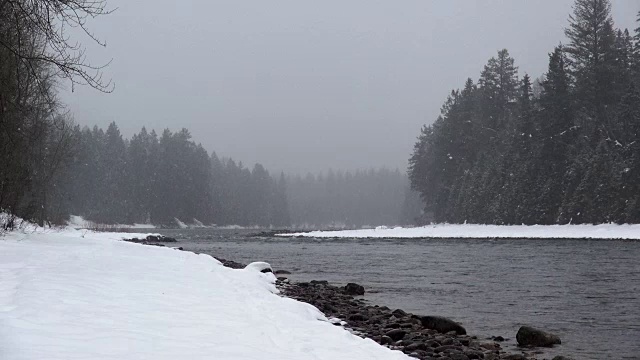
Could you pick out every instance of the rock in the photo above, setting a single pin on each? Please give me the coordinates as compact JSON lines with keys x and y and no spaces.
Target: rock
{"x":231,"y":264}
{"x":160,"y":238}
{"x":528,"y":336}
{"x":513,"y":357}
{"x":396,"y":334}
{"x":357,"y":317}
{"x":490,"y":346}
{"x":384,"y":340}
{"x":415,"y":346}
{"x":458,"y":356}
{"x":442,"y":324}
{"x":354,"y":289}
{"x":447,"y":349}
{"x":432,"y":343}
{"x":282,"y":272}
{"x":560,"y":357}
{"x":399,"y":313}
{"x":153,"y":237}
{"x":474,"y":354}
{"x":319,"y":282}
{"x":498,"y":338}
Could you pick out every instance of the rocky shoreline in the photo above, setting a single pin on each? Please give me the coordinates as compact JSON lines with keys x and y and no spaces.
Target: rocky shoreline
{"x":421,"y":337}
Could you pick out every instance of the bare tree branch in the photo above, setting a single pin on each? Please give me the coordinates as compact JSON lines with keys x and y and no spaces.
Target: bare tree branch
{"x":49,"y":20}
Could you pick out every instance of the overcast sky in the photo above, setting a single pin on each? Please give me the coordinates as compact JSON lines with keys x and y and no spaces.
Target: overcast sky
{"x":302,"y":85}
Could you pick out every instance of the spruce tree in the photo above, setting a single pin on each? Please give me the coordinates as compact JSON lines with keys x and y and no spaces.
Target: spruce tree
{"x":635,"y":56}
{"x":499,"y":87}
{"x":557,"y":133}
{"x":591,"y":49}
{"x":625,"y":138}
{"x":623,"y":63}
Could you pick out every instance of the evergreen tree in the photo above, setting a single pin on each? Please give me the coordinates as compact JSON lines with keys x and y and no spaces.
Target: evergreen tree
{"x":635,"y":56}
{"x":592,"y":52}
{"x":114,"y":206}
{"x":280,"y":205}
{"x":557,"y":137}
{"x":499,"y":87}
{"x":625,"y":138}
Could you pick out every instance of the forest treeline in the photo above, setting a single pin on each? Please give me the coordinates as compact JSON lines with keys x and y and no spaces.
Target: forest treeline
{"x":156,"y":179}
{"x":564,"y":148}
{"x":159,"y":179}
{"x":341,"y":199}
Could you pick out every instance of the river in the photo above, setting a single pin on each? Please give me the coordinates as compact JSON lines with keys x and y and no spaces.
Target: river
{"x":585,"y":291}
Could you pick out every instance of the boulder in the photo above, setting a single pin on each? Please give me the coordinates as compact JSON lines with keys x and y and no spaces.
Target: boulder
{"x":354,"y":289}
{"x":528,"y":336}
{"x":442,"y":324}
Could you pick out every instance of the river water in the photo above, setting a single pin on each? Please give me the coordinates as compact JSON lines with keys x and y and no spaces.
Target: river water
{"x":585,"y":291}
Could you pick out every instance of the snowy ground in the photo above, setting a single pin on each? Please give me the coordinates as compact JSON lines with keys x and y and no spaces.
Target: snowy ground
{"x":81,"y":295}
{"x":605,"y":231}
{"x":78,"y":222}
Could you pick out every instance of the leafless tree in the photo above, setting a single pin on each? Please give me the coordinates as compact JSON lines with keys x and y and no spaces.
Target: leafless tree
{"x":50,"y":21}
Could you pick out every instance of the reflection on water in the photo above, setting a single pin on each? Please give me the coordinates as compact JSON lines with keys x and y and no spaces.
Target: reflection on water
{"x":586,"y":291}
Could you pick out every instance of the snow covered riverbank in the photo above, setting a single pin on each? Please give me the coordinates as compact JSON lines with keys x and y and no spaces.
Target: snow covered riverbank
{"x":82,"y":295}
{"x":471,"y":231}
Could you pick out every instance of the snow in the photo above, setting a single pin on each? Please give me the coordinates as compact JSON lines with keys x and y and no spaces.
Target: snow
{"x":180,"y":224}
{"x":259,"y":266}
{"x":456,"y":231}
{"x":78,"y":222}
{"x":77,"y":294}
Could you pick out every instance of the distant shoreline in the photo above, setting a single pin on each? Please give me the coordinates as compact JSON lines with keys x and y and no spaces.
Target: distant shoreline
{"x":472,"y":231}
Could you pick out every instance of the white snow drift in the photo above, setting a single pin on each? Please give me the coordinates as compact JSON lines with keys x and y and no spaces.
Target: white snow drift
{"x":470,"y":231}
{"x":65,"y":296}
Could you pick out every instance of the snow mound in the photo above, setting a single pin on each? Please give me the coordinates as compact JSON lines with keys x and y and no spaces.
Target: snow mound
{"x":471,"y":231}
{"x":259,"y":266}
{"x":77,"y":294}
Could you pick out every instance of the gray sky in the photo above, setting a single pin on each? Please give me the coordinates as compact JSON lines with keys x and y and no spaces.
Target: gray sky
{"x":301,"y":85}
